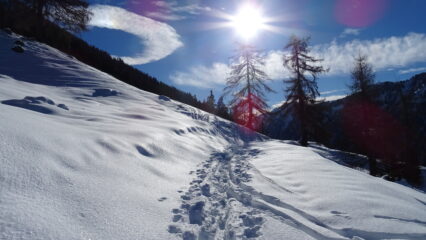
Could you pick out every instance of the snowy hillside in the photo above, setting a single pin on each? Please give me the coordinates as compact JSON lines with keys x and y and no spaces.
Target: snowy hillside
{"x":85,"y":156}
{"x":396,"y":104}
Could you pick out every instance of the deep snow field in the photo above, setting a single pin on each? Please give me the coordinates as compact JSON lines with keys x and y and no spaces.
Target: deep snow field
{"x":85,"y":156}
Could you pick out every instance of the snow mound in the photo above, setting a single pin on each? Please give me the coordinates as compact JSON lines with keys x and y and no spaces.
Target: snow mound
{"x":85,"y":156}
{"x":37,"y":104}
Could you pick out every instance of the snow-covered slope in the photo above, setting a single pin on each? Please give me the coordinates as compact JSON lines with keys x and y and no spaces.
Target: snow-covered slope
{"x":85,"y":156}
{"x":397,"y":103}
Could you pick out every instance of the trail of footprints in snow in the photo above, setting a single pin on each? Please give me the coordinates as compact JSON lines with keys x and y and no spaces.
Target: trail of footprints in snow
{"x":215,"y":207}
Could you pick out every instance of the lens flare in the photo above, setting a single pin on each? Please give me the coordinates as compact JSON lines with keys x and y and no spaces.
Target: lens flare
{"x":248,"y":113}
{"x":373,"y":130}
{"x":359,"y":13}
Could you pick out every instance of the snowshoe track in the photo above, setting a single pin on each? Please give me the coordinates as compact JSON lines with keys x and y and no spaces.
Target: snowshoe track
{"x":215,"y":206}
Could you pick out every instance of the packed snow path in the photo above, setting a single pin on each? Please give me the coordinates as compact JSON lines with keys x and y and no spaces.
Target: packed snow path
{"x":216,"y":206}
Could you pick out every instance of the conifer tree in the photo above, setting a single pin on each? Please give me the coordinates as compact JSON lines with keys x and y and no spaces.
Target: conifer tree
{"x":301,"y":90}
{"x":222,"y":109}
{"x":362,"y":76}
{"x":210,"y":103}
{"x":363,"y":119}
{"x":411,"y":171}
{"x":72,"y":15}
{"x":247,"y":85}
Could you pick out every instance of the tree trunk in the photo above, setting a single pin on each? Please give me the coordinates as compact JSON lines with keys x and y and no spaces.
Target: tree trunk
{"x":39,"y":8}
{"x":373,"y":166}
{"x":250,"y":111}
{"x":2,"y":16}
{"x":303,"y":132}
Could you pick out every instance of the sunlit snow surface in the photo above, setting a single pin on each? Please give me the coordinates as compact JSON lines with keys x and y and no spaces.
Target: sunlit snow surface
{"x":85,"y":156}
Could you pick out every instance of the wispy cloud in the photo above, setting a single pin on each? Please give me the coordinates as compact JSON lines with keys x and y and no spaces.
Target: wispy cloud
{"x":159,"y":39}
{"x":216,"y":74}
{"x":383,"y":53}
{"x":203,"y":76}
{"x":350,"y":31}
{"x":412,"y":70}
{"x":274,"y":67}
{"x":173,"y":11}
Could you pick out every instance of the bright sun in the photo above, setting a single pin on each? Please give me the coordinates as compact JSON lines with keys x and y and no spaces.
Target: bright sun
{"x":248,"y":21}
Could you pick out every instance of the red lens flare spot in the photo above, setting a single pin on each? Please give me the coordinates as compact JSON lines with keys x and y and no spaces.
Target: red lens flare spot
{"x":145,"y":6}
{"x":248,"y":112}
{"x":359,"y":13}
{"x":373,"y":130}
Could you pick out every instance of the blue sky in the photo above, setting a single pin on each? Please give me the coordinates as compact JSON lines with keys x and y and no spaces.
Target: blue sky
{"x":188,"y":43}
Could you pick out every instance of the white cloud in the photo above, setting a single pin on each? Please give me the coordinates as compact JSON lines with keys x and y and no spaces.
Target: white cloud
{"x":411,"y":70}
{"x":159,"y":39}
{"x":350,"y":31}
{"x":165,"y":16}
{"x":203,"y":76}
{"x":274,"y":67}
{"x":172,"y":11}
{"x":216,"y":74}
{"x":383,"y":53}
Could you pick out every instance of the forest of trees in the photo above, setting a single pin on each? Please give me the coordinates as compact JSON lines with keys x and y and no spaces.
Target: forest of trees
{"x":54,"y":22}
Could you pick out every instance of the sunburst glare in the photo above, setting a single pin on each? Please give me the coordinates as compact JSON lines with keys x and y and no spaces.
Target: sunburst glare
{"x":248,"y":21}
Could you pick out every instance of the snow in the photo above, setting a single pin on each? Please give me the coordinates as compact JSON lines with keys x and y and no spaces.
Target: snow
{"x":315,"y":191}
{"x":85,"y":156}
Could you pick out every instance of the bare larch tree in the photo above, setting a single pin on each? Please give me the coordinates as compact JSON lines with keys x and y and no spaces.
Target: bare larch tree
{"x":301,"y":90}
{"x":247,"y":85}
{"x":362,"y":76}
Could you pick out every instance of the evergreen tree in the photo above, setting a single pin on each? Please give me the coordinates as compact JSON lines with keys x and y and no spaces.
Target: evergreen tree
{"x":222,"y":110}
{"x":72,"y":15}
{"x":362,"y":76}
{"x":364,"y":119}
{"x":246,"y":83}
{"x":301,"y":90}
{"x":210,"y":103}
{"x":411,"y":171}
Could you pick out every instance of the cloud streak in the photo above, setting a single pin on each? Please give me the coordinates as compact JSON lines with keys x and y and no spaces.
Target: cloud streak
{"x":383,"y":53}
{"x":172,"y":11}
{"x":158,"y":39}
{"x":350,"y":31}
{"x":203,"y":76}
{"x":412,"y":70}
